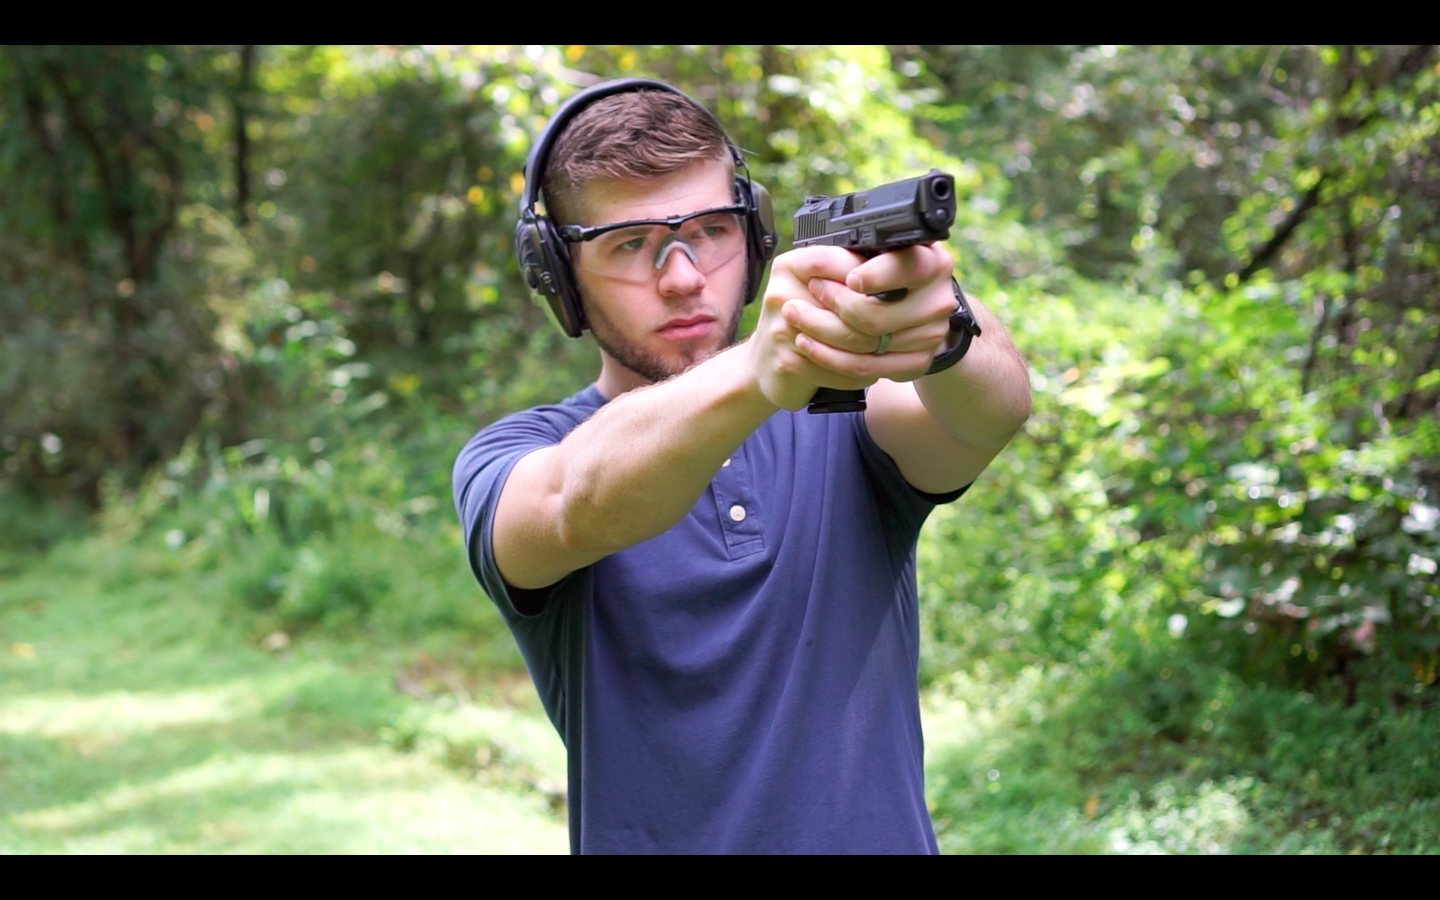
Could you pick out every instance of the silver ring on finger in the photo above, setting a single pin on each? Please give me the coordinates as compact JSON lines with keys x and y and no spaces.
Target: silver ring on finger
{"x":884,"y":345}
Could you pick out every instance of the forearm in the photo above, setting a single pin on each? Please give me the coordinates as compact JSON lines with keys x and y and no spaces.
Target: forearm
{"x":983,"y":400}
{"x":638,"y":465}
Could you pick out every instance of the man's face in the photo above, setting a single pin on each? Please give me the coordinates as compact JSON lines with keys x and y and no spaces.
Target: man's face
{"x":651,"y":331}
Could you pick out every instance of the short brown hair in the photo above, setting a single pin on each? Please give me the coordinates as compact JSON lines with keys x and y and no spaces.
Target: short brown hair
{"x":635,"y":136}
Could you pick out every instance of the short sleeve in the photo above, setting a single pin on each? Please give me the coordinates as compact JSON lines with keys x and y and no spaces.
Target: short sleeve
{"x":479,"y":476}
{"x":890,"y":481}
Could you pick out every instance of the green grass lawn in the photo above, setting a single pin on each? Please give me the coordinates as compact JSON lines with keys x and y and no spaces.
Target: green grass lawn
{"x":148,"y":705}
{"x":138,"y":713}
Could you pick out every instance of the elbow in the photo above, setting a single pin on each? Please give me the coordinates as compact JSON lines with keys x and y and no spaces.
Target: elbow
{"x":574,"y":528}
{"x":1024,"y":403}
{"x":581,"y":526}
{"x":1010,"y":418}
{"x":580,"y":537}
{"x":1024,"y":409}
{"x":1020,"y":414}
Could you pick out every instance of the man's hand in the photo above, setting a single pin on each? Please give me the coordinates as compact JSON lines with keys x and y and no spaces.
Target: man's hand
{"x":844,"y":332}
{"x":820,"y":326}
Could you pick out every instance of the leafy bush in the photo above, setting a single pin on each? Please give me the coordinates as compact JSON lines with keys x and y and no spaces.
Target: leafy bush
{"x":1183,"y":758}
{"x":330,"y":585}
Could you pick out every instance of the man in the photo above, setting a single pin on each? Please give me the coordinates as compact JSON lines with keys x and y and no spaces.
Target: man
{"x":713,"y":589}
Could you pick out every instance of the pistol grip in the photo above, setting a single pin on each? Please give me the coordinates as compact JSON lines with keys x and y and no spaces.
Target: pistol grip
{"x":833,"y":400}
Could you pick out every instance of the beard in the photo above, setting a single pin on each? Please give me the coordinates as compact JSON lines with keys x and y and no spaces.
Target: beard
{"x":651,"y":366}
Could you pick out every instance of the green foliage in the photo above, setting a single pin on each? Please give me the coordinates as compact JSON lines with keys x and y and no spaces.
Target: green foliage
{"x":1187,"y":759}
{"x":1253,"y":458}
{"x":105,"y":362}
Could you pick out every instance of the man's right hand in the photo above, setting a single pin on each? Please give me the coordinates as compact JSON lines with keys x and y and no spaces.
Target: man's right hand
{"x":787,"y":378}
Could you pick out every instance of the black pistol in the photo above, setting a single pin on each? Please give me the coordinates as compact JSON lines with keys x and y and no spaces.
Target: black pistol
{"x":889,"y":217}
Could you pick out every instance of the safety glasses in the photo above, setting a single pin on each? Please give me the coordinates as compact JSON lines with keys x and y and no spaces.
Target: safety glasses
{"x":635,"y":251}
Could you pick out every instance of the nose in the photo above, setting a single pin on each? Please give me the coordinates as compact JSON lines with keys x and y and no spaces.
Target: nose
{"x":679,"y":276}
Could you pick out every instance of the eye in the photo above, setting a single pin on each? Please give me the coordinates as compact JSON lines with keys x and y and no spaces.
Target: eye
{"x":713,"y":228}
{"x":626,"y":244}
{"x":716,"y":227}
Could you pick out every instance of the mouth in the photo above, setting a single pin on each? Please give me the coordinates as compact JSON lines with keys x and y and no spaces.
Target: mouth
{"x":687,"y":329}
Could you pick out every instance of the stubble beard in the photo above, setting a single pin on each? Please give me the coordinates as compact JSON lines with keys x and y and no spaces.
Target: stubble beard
{"x":653,"y":367}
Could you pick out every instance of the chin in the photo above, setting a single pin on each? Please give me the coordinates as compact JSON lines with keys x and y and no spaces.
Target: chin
{"x":690,"y":354}
{"x":657,"y":359}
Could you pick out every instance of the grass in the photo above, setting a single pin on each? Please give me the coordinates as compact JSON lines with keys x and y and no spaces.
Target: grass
{"x":261,"y":698}
{"x":1056,"y":760}
{"x":140,"y":712}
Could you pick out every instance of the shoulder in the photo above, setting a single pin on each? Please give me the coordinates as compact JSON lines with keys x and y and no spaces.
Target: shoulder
{"x":529,"y":429}
{"x":551,"y":419}
{"x":488,"y":456}
{"x":484,"y":464}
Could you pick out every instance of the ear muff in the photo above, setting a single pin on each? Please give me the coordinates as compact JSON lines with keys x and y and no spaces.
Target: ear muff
{"x":545,"y":264}
{"x":760,"y":235}
{"x":543,"y":255}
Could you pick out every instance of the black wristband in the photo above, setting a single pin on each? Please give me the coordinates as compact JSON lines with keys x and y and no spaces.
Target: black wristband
{"x":963,"y":330}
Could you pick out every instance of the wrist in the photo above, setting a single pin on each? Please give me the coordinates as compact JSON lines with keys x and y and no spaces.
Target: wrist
{"x":767,"y":372}
{"x":736,"y":375}
{"x":964,"y":329}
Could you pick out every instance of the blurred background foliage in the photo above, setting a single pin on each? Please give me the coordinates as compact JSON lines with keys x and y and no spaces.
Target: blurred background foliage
{"x":253,"y":299}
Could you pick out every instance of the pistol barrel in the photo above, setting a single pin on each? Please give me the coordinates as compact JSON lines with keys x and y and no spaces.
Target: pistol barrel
{"x":890,"y":217}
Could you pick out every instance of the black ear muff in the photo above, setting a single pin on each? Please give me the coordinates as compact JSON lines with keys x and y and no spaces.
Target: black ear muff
{"x":545,"y":265}
{"x":761,"y":236}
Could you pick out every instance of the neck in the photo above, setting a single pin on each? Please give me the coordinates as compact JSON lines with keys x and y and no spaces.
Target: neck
{"x":615,"y":379}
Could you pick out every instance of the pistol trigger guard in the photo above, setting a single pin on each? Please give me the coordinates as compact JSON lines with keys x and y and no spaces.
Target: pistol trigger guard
{"x":963,"y":331}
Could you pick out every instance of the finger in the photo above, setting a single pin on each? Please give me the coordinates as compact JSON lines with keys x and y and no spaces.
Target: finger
{"x":795,"y":364}
{"x":925,"y":338}
{"x":820,"y":262}
{"x":820,"y":376}
{"x":828,"y":328}
{"x":894,"y":366}
{"x":911,"y":267}
{"x":930,"y":305}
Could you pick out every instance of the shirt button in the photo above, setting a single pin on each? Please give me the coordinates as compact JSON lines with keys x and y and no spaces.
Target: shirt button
{"x":725,"y":463}
{"x":737,"y":513}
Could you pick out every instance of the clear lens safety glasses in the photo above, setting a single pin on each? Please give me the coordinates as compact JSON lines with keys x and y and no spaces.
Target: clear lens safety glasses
{"x":635,"y":251}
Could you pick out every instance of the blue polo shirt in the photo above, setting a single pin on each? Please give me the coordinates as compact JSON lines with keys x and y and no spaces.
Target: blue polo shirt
{"x":746,"y":681}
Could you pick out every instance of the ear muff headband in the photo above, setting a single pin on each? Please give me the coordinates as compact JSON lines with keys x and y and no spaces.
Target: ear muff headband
{"x":543,"y":255}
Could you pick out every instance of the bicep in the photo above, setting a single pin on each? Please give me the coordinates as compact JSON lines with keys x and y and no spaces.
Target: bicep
{"x":929,"y":457}
{"x":528,"y":534}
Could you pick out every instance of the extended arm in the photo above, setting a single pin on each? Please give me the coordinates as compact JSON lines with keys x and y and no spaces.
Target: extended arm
{"x":637,"y":466}
{"x":630,"y":472}
{"x":942,"y":430}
